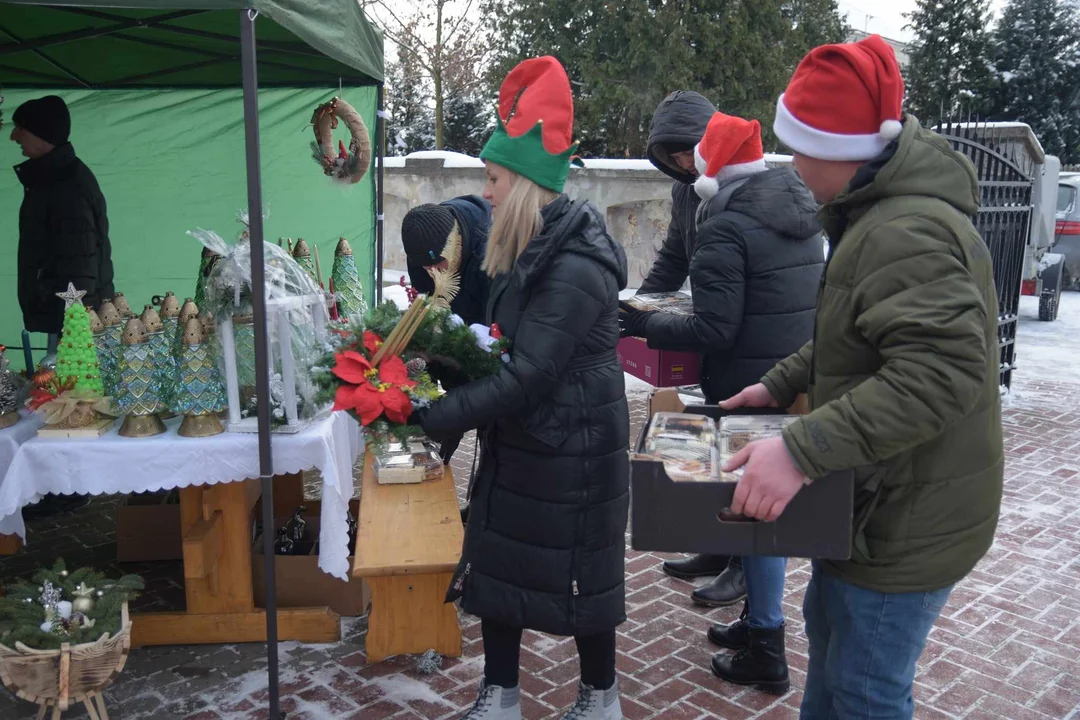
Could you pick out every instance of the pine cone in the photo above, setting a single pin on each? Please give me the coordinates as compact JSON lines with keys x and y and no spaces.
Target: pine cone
{"x":416,"y":367}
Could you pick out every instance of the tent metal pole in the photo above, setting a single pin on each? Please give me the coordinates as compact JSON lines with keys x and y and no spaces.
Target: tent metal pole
{"x":258,"y":307}
{"x":380,"y":143}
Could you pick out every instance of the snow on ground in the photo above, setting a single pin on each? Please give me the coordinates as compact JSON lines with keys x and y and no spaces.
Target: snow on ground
{"x":1049,"y":350}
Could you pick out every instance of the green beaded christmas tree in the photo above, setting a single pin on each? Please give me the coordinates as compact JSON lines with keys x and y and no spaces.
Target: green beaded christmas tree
{"x":76,"y":356}
{"x":348,"y":291}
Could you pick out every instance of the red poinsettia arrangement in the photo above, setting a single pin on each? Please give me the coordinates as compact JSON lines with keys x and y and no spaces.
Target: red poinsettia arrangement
{"x":370,"y":390}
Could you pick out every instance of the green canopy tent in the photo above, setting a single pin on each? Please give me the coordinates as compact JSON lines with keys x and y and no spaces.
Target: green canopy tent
{"x":151,"y":76}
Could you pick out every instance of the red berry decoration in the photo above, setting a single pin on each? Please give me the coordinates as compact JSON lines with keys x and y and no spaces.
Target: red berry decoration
{"x":496,"y":332}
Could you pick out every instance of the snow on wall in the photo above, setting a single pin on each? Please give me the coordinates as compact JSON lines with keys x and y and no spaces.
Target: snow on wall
{"x":457,"y":160}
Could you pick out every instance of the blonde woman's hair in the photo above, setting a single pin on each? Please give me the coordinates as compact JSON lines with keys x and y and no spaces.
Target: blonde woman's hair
{"x":516,"y":221}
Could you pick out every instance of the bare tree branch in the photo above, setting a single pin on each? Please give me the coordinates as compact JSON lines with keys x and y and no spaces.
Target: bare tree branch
{"x":405,"y":30}
{"x":460,"y":20}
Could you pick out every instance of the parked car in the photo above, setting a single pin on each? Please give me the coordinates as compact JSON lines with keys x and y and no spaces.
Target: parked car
{"x":1067,"y":229}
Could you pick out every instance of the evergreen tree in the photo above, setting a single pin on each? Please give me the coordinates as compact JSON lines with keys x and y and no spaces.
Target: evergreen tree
{"x":436,"y":40}
{"x":950,"y":70}
{"x":1037,"y":58}
{"x":468,"y":114}
{"x":624,"y":58}
{"x":412,"y":122}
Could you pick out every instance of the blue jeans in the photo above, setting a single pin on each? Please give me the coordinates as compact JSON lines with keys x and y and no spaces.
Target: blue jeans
{"x":863,"y":648}
{"x":764,"y":590}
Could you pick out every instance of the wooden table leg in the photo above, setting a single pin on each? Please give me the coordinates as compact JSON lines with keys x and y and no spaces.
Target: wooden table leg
{"x":216,"y":525}
{"x":10,"y":544}
{"x":409,"y":616}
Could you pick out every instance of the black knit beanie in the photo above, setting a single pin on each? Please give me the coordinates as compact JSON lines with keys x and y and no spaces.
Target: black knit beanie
{"x":47,"y":118}
{"x":424,"y":232}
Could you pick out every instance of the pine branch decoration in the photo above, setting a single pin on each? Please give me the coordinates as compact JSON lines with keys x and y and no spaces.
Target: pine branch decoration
{"x":21,"y":613}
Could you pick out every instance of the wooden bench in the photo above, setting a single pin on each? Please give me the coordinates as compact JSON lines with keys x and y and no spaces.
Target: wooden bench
{"x":407,"y":547}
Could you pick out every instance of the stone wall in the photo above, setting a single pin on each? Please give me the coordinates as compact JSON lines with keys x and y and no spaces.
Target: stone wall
{"x":634,"y":197}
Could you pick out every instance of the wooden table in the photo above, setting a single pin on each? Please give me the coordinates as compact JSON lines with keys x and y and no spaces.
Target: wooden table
{"x":407,"y":547}
{"x":216,"y":518}
{"x":216,"y":525}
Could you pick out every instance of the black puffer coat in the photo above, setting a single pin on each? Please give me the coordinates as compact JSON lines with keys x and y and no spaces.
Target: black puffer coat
{"x":754,"y":276}
{"x":545,"y":541}
{"x":63,"y":237}
{"x":680,"y":121}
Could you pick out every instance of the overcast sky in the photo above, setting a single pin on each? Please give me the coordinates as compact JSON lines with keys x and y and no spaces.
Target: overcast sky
{"x":886,"y":17}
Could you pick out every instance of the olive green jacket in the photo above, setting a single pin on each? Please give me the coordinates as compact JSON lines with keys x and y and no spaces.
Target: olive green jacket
{"x":902,"y":373}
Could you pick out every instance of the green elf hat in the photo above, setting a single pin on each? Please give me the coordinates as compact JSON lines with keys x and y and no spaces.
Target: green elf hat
{"x":534,"y":135}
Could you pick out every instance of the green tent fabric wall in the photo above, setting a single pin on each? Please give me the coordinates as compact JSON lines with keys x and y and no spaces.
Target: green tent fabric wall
{"x":114,"y":43}
{"x":171,"y":160}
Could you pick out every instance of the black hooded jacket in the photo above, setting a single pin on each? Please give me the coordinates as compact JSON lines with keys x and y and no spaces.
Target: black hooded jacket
{"x":754,"y":274}
{"x":63,"y":238}
{"x":545,"y":540}
{"x":680,"y":121}
{"x":473,"y":215}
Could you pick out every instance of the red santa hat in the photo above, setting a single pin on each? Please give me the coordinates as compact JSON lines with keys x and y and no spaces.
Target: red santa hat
{"x":843,"y":102}
{"x":730,"y":147}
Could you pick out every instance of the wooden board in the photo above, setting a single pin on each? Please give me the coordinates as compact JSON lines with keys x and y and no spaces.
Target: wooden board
{"x":90,"y":432}
{"x":10,"y":544}
{"x":224,"y":586}
{"x":312,"y":625}
{"x":409,"y":616}
{"x":407,"y":529}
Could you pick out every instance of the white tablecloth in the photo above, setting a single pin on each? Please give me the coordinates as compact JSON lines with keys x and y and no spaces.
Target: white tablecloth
{"x":112,"y":464}
{"x":11,"y":438}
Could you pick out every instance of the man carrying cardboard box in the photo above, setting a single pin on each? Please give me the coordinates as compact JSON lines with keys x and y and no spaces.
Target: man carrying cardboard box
{"x":902,"y":376}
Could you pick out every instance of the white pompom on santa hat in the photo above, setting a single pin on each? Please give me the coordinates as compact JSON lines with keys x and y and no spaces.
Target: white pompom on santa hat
{"x":843,"y":102}
{"x":730,"y":147}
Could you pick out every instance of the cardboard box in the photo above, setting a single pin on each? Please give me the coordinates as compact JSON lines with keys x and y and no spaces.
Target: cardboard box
{"x":659,"y":368}
{"x":300,"y":582}
{"x":148,"y":527}
{"x":669,"y":516}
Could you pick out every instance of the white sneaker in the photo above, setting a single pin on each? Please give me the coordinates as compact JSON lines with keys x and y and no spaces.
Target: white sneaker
{"x":496,"y":703}
{"x":596,"y":704}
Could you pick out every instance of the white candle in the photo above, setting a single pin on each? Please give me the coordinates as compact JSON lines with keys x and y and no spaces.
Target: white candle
{"x":64,"y":609}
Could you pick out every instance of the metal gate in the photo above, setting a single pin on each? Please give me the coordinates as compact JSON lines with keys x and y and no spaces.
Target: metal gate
{"x":1003,"y":220}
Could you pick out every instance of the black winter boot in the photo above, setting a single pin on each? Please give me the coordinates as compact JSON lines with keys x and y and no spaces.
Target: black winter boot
{"x":697,"y":566}
{"x":735,"y":636}
{"x":729,"y":588}
{"x":762,"y":664}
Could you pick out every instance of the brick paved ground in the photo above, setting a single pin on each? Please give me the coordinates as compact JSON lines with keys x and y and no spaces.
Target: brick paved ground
{"x":1007,"y":646}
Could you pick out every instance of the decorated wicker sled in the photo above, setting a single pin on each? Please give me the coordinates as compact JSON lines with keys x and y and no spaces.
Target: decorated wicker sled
{"x":61,"y":678}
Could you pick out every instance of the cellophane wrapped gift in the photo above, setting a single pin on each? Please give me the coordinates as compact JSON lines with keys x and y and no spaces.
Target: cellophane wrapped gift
{"x":675,"y":303}
{"x":686,"y":444}
{"x":738,"y":431}
{"x":297,"y":318}
{"x":412,"y":462}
